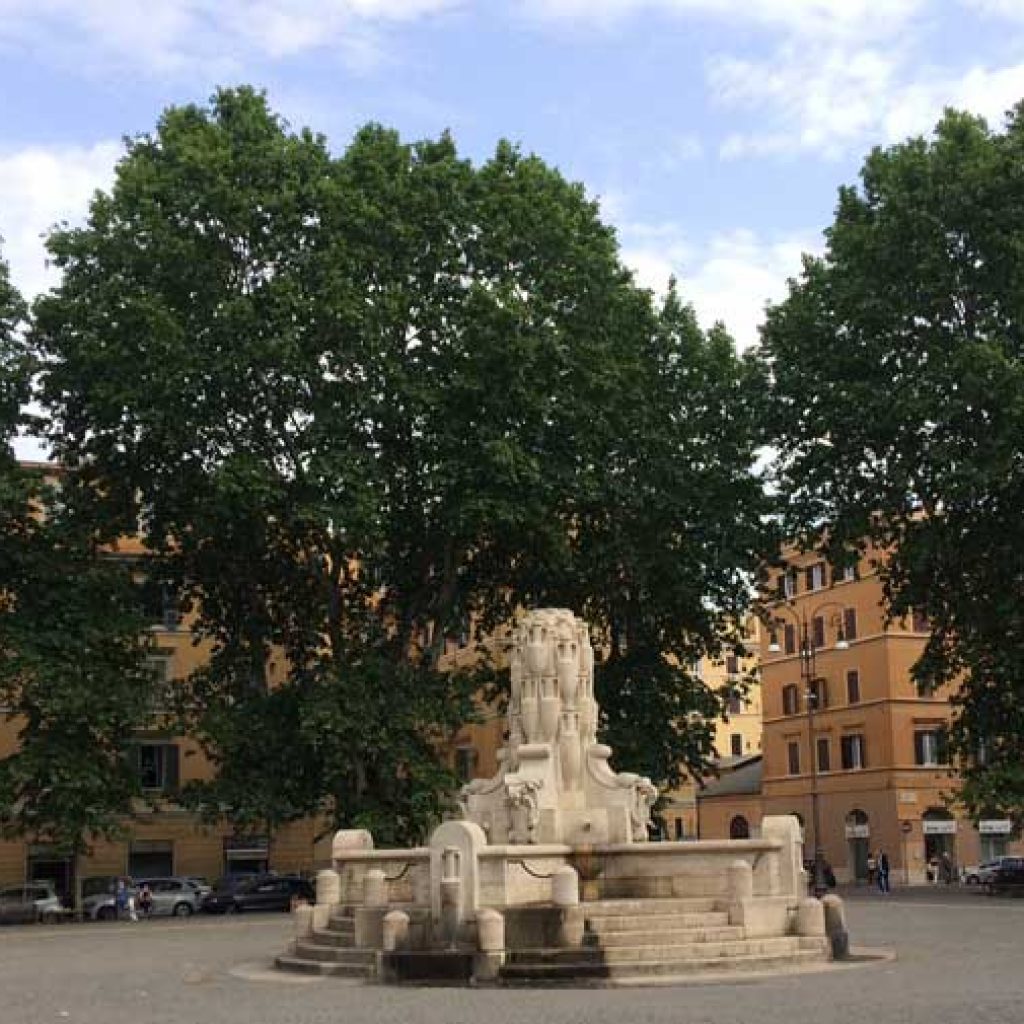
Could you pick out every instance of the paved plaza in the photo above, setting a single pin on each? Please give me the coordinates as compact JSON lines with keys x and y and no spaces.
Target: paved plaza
{"x":959,"y":960}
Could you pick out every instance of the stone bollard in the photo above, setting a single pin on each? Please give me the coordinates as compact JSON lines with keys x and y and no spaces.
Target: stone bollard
{"x":810,"y":917}
{"x":328,"y":888}
{"x":490,"y":931}
{"x":302,"y":921}
{"x":375,"y":889}
{"x":565,"y":887}
{"x":396,"y":930}
{"x":835,"y":926}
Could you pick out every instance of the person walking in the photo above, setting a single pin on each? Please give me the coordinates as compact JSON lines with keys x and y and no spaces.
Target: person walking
{"x":883,"y":872}
{"x":872,"y":867}
{"x":145,"y":899}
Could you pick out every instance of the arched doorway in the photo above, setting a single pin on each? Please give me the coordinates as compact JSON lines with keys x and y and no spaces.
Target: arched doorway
{"x":858,"y":836}
{"x":739,"y":828}
{"x":939,"y":828}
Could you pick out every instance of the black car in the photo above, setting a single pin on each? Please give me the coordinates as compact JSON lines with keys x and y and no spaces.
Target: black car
{"x":1007,"y":879}
{"x":264,"y":892}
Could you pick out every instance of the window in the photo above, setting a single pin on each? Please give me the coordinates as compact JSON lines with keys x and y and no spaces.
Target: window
{"x":159,"y":603}
{"x":735,"y":703}
{"x":465,"y":763}
{"x":929,"y":747}
{"x":157,"y":766}
{"x":789,"y":584}
{"x":790,"y":699}
{"x":679,"y":828}
{"x":739,"y":828}
{"x":736,"y":744}
{"x":852,"y":750}
{"x":920,"y":622}
{"x":793,"y":752}
{"x":789,"y":639}
{"x":818,"y":631}
{"x":732,"y":665}
{"x":849,"y":623}
{"x":814,"y":576}
{"x":818,"y":693}
{"x":823,"y":754}
{"x":849,"y":573}
{"x":853,"y":686}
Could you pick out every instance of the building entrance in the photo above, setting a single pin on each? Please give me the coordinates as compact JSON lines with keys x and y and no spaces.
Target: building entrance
{"x":858,"y":838}
{"x":939,"y":828}
{"x":44,"y":865}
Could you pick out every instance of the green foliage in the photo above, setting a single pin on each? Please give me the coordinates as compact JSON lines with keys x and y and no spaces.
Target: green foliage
{"x":72,"y":680}
{"x":364,"y":400}
{"x":897,"y":405}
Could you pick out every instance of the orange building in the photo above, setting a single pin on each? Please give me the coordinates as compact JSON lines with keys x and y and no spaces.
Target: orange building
{"x":878,"y":764}
{"x":737,"y":733}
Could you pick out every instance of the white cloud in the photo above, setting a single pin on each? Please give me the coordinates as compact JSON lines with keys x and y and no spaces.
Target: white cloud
{"x":175,"y":36}
{"x":731,"y":277}
{"x":829,"y":18}
{"x":842,"y":102}
{"x":40,"y":186}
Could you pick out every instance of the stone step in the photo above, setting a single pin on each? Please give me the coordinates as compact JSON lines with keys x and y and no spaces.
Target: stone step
{"x":300,"y":965}
{"x":655,"y":922}
{"x":662,"y":951}
{"x":665,"y":936}
{"x":330,"y":937}
{"x":573,"y":971}
{"x":338,"y":923}
{"x":312,"y":950}
{"x":675,"y":905}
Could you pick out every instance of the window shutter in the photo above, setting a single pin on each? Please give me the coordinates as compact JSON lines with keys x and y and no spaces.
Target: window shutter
{"x":918,"y":748}
{"x":809,"y":578}
{"x":850,"y":623}
{"x":790,"y":639}
{"x":171,"y":768}
{"x":818,"y":630}
{"x":863,"y":753}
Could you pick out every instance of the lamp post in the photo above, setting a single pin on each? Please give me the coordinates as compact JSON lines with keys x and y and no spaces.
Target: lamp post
{"x":807,"y":653}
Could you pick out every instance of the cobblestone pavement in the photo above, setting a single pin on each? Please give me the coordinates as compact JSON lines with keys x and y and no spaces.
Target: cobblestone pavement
{"x":957,"y":963}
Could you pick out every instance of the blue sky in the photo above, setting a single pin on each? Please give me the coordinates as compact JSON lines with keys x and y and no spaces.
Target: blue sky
{"x":715,"y":132}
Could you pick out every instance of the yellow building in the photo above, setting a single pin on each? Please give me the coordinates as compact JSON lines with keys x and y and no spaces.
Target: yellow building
{"x":737,"y":733}
{"x":167,"y":840}
{"x":881,"y":779}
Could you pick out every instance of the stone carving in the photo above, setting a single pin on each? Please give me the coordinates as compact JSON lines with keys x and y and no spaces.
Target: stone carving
{"x":554,"y":783}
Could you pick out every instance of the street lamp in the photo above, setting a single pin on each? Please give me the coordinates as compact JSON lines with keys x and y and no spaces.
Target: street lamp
{"x":807,"y":653}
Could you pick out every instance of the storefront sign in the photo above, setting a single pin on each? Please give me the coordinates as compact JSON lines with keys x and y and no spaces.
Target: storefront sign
{"x":858,"y":831}
{"x":995,"y":827}
{"x":939,"y":828}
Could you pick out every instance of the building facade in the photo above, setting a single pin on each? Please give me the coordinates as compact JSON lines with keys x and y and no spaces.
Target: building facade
{"x":879,"y":768}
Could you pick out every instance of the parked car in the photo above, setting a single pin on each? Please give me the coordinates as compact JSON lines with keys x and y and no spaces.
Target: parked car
{"x":99,"y":897}
{"x":176,"y":897}
{"x":979,"y":874}
{"x":1007,"y":879}
{"x":264,"y":892}
{"x":201,"y":885}
{"x":34,"y":901}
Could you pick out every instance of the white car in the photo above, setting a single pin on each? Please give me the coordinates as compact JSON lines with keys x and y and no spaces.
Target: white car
{"x":979,"y":874}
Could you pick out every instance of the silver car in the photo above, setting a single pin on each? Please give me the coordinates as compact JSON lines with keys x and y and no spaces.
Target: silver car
{"x":177,"y":897}
{"x":34,"y":901}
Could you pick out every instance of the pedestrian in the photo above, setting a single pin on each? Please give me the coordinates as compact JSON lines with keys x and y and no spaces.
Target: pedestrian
{"x":872,"y":867}
{"x":883,"y":872}
{"x":145,"y":900}
{"x":947,"y":868}
{"x":932,"y":871}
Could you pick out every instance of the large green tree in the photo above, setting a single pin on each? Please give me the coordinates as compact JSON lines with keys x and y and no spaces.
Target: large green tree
{"x":897,"y":406}
{"x":74,"y":687}
{"x":364,"y":400}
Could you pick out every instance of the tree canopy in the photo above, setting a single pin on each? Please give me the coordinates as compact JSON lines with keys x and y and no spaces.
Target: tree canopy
{"x":897,"y":409}
{"x":364,"y":401}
